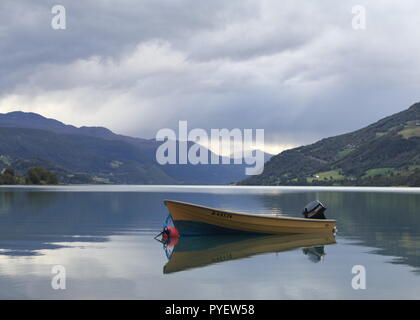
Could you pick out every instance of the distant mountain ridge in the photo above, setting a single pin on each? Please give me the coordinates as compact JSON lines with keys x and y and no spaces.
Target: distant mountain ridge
{"x":30,"y":120}
{"x":386,"y":152}
{"x":98,"y":152}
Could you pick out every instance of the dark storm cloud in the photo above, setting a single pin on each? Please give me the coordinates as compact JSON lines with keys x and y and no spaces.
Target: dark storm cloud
{"x":296,"y":69}
{"x":103,"y":28}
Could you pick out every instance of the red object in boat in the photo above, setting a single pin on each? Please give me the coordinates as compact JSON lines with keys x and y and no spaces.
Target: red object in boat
{"x":171,"y":242}
{"x":170,"y":233}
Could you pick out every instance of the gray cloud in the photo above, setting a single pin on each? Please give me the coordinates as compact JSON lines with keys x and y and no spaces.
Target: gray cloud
{"x":294,"y":68}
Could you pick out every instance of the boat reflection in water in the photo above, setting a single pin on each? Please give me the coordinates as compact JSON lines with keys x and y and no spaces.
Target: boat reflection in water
{"x":199,"y":251}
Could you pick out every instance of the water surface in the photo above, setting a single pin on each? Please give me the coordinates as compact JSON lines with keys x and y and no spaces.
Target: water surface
{"x":103,"y":236}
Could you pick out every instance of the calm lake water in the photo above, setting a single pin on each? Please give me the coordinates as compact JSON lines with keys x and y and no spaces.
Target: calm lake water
{"x":103,"y":237}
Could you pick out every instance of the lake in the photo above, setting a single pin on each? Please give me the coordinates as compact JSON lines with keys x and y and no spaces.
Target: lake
{"x":103,"y":237}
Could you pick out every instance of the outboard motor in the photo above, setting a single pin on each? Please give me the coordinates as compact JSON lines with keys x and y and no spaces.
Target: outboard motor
{"x":314,"y":210}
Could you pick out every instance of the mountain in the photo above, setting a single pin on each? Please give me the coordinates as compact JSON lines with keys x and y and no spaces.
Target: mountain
{"x":30,"y":120}
{"x":267,"y":156}
{"x":96,"y":154}
{"x":384,"y":153}
{"x":106,"y":161}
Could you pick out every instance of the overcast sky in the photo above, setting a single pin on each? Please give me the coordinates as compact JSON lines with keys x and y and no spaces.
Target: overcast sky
{"x":294,"y":68}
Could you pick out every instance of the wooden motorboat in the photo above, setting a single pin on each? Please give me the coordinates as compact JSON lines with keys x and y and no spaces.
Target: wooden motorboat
{"x":192,"y":219}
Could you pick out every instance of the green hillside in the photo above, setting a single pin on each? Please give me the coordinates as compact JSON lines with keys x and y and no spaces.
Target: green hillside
{"x":385,"y":153}
{"x":96,"y":154}
{"x":105,"y":161}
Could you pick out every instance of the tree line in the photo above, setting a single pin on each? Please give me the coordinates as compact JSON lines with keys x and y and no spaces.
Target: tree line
{"x":33,"y":176}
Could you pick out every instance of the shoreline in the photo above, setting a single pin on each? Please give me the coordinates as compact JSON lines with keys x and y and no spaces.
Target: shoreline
{"x":195,"y":188}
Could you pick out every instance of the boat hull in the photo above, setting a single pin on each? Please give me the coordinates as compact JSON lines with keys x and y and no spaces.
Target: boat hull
{"x":192,"y":219}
